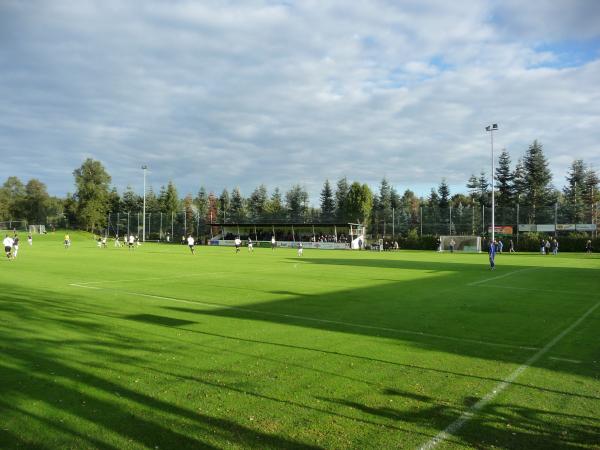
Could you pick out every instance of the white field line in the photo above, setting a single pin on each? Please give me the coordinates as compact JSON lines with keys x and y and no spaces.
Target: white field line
{"x":468,"y":415}
{"x":553,"y":291}
{"x":475,"y":283}
{"x":574,"y":361}
{"x":313,"y":319}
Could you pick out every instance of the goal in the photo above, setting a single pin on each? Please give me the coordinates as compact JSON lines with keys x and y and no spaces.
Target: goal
{"x":470,"y":244}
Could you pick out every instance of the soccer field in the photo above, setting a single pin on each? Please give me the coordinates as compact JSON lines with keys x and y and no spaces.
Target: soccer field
{"x":157,"y":348}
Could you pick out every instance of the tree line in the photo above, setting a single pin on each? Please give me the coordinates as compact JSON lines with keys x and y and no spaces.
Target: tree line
{"x":528,"y":183}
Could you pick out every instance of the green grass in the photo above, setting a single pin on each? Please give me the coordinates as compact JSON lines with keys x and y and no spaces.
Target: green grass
{"x":156,"y":348}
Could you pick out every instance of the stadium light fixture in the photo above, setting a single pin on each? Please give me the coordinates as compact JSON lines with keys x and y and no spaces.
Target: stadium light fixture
{"x":144,"y":168}
{"x":491,"y":128}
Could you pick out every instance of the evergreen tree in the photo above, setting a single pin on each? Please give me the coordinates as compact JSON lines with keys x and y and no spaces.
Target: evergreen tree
{"x":224,"y":205}
{"x":130,"y":201}
{"x":238,"y":207}
{"x":169,"y":200}
{"x":275,"y":205}
{"x":591,"y":195}
{"x":473,"y":187}
{"x":114,"y":201}
{"x":574,"y":191}
{"x":327,"y":202}
{"x":538,"y":190}
{"x":296,"y":200}
{"x":202,"y":204}
{"x":152,"y":202}
{"x":444,"y":195}
{"x":504,"y":178}
{"x":190,"y":211}
{"x":341,"y":194}
{"x":519,"y":181}
{"x":92,"y":182}
{"x":484,"y":189}
{"x":257,"y":203}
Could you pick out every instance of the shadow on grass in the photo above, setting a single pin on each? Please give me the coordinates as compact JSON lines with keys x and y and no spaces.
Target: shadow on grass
{"x":80,"y":407}
{"x":502,"y":426}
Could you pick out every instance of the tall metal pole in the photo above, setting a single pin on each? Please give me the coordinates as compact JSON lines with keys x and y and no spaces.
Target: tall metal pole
{"x":491,"y":129}
{"x":421,"y":219}
{"x":144,"y":167}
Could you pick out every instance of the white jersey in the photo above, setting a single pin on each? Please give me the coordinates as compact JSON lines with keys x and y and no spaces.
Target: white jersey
{"x":190,"y":240}
{"x":8,"y":241}
{"x":131,"y":239}
{"x":238,"y":242}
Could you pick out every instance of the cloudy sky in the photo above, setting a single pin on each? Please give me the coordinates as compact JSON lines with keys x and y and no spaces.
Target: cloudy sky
{"x":227,"y":93}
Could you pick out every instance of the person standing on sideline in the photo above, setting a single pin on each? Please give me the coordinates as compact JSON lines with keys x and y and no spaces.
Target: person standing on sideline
{"x":117,"y":241}
{"x":299,"y":248}
{"x":554,"y":247}
{"x":131,"y":241}
{"x":492,"y":254}
{"x":273,"y":242}
{"x":588,"y":246}
{"x":67,"y":241}
{"x":190,"y":241}
{"x":238,"y":243}
{"x":30,"y":239}
{"x":511,"y":247}
{"x":500,"y":245}
{"x":250,"y":246}
{"x":439,"y":244}
{"x":8,"y":243}
{"x":452,"y":244}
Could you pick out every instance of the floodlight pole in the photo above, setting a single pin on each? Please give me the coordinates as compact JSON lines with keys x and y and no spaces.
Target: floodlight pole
{"x":491,"y":128}
{"x":144,"y":167}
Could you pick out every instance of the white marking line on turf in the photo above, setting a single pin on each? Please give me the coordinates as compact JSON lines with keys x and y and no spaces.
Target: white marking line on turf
{"x":85,"y":283}
{"x":475,"y":283}
{"x":574,"y":361}
{"x":468,"y":415}
{"x":313,"y":319}
{"x":553,"y":291}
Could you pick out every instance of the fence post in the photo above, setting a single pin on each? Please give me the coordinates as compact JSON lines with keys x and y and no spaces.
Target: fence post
{"x":172,"y":235}
{"x":421,"y":219}
{"x":128,"y":233}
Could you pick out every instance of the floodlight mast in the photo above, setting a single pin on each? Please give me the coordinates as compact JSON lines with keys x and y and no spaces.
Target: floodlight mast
{"x":144,"y":168}
{"x":491,"y":128}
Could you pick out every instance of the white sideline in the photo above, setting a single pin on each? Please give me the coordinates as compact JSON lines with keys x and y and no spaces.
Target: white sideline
{"x":475,"y":283}
{"x":467,"y":415}
{"x":313,"y":319}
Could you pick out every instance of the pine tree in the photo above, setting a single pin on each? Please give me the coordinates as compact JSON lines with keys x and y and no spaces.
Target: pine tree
{"x":538,"y":190}
{"x":484,"y":189}
{"x":238,"y":207}
{"x":519,"y":181}
{"x":169,"y":199}
{"x":473,"y":186}
{"x":444,"y":194}
{"x":574,"y":191}
{"x":341,"y":194}
{"x":224,"y":205}
{"x":257,"y":203}
{"x":504,"y":179}
{"x":275,"y":205}
{"x":327,"y":202}
{"x":296,"y":200}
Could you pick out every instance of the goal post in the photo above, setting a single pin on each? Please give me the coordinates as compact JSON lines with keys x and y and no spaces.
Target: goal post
{"x":468,"y":244}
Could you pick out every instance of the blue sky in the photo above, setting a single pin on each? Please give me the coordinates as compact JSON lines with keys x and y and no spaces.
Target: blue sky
{"x":226,"y":94}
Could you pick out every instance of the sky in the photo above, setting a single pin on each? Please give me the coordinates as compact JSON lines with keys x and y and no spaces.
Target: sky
{"x":226,"y":94}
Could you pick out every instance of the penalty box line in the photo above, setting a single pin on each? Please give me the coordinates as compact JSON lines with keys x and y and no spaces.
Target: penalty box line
{"x":455,"y":426}
{"x":314,"y":319}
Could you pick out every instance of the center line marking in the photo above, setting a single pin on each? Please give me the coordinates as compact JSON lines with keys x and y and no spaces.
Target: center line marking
{"x":470,"y":413}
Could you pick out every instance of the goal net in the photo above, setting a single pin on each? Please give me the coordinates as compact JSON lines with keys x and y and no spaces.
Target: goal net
{"x":461,"y":243}
{"x":37,"y":229}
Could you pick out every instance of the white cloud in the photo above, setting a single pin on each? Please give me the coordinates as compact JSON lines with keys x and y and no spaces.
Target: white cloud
{"x":265,"y":92}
